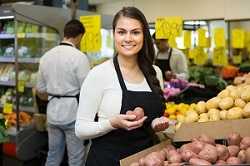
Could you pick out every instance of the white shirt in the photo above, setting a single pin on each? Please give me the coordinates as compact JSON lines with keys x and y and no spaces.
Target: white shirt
{"x":62,"y":71}
{"x":178,"y":62}
{"x":101,"y":93}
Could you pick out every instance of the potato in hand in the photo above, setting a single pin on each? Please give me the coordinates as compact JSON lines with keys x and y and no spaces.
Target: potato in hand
{"x":138,"y":112}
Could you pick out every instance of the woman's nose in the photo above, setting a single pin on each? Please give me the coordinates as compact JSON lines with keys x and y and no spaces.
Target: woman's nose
{"x":128,"y":37}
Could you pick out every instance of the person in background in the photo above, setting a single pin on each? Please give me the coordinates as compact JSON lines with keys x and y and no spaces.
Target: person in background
{"x":121,"y":101}
{"x":62,"y":71}
{"x":172,"y":62}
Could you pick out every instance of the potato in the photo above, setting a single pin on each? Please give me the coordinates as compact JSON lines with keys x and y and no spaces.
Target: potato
{"x":212,"y":103}
{"x":245,"y":143}
{"x":234,"y":113}
{"x":138,"y":112}
{"x":200,"y":107}
{"x":203,"y":117}
{"x":222,"y":151}
{"x":246,"y":111}
{"x":248,"y":156}
{"x":224,"y":93}
{"x":226,"y":103}
{"x":214,"y":114}
{"x":209,"y":153}
{"x":187,"y":154}
{"x":234,"y":139}
{"x":152,"y":159}
{"x":223,"y":115}
{"x":220,"y":162}
{"x":206,"y":139}
{"x":233,"y":161}
{"x":245,"y":95}
{"x":233,"y":150}
{"x":197,"y":161}
{"x":173,"y":156}
{"x":242,"y":156}
{"x":239,"y":103}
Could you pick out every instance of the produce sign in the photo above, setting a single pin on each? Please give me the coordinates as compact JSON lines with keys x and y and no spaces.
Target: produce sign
{"x":238,"y":38}
{"x":168,"y":27}
{"x":91,"y":41}
{"x":187,"y":39}
{"x":219,"y":57}
{"x":219,"y":37}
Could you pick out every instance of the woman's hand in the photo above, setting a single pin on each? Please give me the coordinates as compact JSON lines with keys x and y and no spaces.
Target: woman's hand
{"x":160,"y":124}
{"x":127,"y":122}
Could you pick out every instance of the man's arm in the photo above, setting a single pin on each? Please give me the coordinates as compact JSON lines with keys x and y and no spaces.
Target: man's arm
{"x":41,"y":95}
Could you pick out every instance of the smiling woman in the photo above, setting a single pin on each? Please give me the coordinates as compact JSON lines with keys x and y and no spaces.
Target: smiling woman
{"x":114,"y":92}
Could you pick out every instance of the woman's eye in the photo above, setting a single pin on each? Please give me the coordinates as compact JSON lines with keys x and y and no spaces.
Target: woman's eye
{"x":121,"y":32}
{"x":136,"y":32}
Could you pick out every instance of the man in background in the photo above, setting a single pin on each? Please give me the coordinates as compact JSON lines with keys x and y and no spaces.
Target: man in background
{"x":171,"y":61}
{"x":62,"y":71}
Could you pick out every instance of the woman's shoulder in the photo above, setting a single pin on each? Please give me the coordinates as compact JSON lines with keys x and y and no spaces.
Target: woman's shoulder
{"x":103,"y":70}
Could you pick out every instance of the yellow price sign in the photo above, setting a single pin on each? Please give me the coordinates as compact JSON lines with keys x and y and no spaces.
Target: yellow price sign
{"x":7,"y":108}
{"x":219,"y":57}
{"x":247,"y":41}
{"x":21,"y":35}
{"x":200,"y":57}
{"x":202,"y":40}
{"x":21,"y":86}
{"x":168,"y":27}
{"x":237,"y":59}
{"x":219,"y":37}
{"x":187,"y":39}
{"x":238,"y":38}
{"x":91,"y":41}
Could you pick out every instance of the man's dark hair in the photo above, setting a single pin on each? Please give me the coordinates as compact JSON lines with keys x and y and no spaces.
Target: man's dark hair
{"x":73,"y":28}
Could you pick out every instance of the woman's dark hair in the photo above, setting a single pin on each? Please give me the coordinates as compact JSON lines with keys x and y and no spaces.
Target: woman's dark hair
{"x":147,"y":53}
{"x":73,"y":28}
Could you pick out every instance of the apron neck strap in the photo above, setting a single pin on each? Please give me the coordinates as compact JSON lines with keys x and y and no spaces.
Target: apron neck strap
{"x":119,"y":74}
{"x":66,"y":44}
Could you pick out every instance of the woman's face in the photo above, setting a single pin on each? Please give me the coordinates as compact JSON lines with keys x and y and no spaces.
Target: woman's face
{"x":128,"y":36}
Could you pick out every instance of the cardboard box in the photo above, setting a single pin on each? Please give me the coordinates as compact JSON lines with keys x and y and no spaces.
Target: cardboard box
{"x":134,"y":158}
{"x":218,"y":130}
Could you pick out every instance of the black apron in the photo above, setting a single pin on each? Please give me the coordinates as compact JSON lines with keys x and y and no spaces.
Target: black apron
{"x":164,"y":64}
{"x":110,"y":148}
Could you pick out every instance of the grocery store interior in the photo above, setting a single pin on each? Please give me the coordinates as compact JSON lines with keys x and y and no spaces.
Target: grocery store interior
{"x":207,"y":111}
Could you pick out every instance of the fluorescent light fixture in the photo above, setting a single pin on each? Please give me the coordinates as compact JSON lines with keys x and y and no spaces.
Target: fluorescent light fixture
{"x":6,"y":17}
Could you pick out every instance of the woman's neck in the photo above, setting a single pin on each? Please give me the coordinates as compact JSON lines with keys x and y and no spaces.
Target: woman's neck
{"x":128,"y":63}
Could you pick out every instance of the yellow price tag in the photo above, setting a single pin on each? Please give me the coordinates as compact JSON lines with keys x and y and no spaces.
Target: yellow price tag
{"x":21,"y":35}
{"x":200,"y":57}
{"x":219,"y":37}
{"x":202,"y":40}
{"x":237,"y":59}
{"x":7,"y":108}
{"x":21,"y":86}
{"x":247,"y":41}
{"x":91,"y":41}
{"x":187,"y":39}
{"x":219,"y":57}
{"x":168,"y":27}
{"x":238,"y":38}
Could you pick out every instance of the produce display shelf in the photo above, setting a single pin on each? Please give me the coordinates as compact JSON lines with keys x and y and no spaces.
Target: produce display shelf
{"x":24,"y":108}
{"x":10,"y":59}
{"x":12,"y":83}
{"x":29,"y":60}
{"x":7,"y":36}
